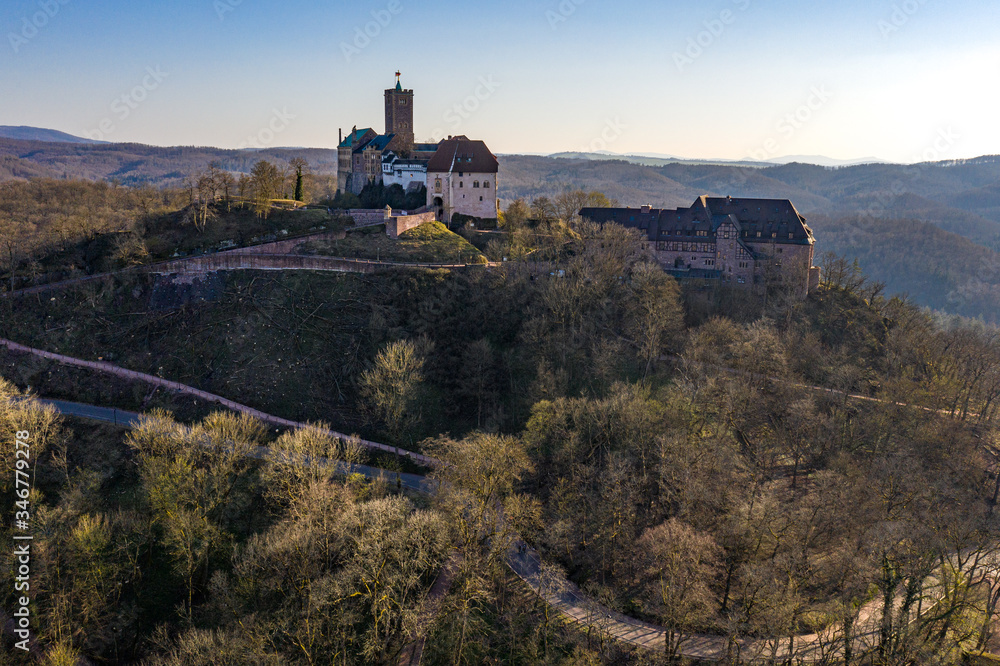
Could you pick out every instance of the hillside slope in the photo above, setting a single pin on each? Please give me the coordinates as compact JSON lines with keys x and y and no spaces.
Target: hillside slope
{"x":936,"y":268}
{"x":23,"y":133}
{"x":137,"y":164}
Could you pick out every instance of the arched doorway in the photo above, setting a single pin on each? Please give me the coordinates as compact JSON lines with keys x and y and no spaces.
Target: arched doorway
{"x":439,"y":205}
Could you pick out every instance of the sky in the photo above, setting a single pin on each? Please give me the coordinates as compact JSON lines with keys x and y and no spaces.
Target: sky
{"x":900,"y":80}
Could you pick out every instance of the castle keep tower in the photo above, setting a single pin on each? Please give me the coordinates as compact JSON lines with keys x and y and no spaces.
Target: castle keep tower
{"x":399,"y":115}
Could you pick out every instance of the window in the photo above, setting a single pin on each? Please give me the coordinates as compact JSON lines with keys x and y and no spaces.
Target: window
{"x":758,"y":234}
{"x":461,"y":174}
{"x":461,"y":184}
{"x":741,"y":280}
{"x":475,"y":184}
{"x":791,"y":236}
{"x":486,"y":184}
{"x":480,"y":198}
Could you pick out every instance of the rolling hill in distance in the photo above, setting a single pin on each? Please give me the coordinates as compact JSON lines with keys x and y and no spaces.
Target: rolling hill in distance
{"x":39,"y":134}
{"x":929,"y":230}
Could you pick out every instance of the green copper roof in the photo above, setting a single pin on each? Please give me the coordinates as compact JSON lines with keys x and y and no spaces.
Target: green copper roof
{"x":399,"y":87}
{"x":354,"y":137}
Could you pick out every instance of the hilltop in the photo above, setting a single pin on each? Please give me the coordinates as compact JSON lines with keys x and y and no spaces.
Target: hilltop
{"x":947,"y":213}
{"x":137,"y":164}
{"x":23,"y":133}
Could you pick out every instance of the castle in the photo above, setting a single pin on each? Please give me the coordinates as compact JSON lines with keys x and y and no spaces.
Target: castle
{"x":744,"y":242}
{"x":460,"y":174}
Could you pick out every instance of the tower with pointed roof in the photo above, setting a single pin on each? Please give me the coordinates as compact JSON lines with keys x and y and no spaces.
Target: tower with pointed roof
{"x":399,"y":115}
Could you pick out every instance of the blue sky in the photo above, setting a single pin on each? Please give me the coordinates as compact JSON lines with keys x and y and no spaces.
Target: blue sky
{"x":896,"y":79}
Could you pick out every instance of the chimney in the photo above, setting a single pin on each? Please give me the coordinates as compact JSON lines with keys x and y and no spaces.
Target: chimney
{"x":647,"y":209}
{"x":341,"y":132}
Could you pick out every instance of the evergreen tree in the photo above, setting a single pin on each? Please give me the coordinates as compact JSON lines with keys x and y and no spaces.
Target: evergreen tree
{"x":298,"y":185}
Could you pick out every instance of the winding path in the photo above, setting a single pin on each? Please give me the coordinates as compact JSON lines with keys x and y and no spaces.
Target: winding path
{"x":555,"y":590}
{"x":132,"y":375}
{"x":275,"y":256}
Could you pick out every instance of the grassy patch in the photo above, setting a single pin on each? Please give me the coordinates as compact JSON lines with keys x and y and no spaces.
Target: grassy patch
{"x":431,"y":242}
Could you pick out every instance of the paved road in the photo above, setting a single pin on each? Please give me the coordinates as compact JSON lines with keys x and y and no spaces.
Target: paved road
{"x":131,"y":375}
{"x":555,"y":590}
{"x":559,"y":593}
{"x":130,"y":419}
{"x":256,"y":257}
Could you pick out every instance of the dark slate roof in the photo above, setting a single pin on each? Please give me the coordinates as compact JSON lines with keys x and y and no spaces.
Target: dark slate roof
{"x":464,"y":155}
{"x":776,"y":220}
{"x":355,"y":137}
{"x":380,"y":143}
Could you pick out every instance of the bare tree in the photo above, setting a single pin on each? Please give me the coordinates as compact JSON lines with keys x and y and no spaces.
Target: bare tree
{"x":391,"y":387}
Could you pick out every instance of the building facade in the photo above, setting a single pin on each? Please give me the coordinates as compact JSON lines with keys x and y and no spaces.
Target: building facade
{"x":356,"y":140}
{"x":460,"y":174}
{"x":462,"y":179}
{"x":410,"y":174}
{"x":744,"y":242}
{"x":399,"y":117}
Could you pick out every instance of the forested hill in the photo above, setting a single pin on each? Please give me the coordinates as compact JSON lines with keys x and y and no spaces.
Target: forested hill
{"x":959,"y":196}
{"x":137,"y":164}
{"x":930,"y":230}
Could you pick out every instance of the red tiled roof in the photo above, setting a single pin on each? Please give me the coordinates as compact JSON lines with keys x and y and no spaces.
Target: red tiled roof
{"x":463,"y":155}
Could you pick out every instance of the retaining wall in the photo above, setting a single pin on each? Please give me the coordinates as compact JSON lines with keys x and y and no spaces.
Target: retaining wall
{"x":398,"y":224}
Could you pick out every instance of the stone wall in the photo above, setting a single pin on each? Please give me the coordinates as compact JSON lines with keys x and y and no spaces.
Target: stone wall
{"x":368,"y":217}
{"x":288,"y":246}
{"x":397,"y":224}
{"x":790,"y":264}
